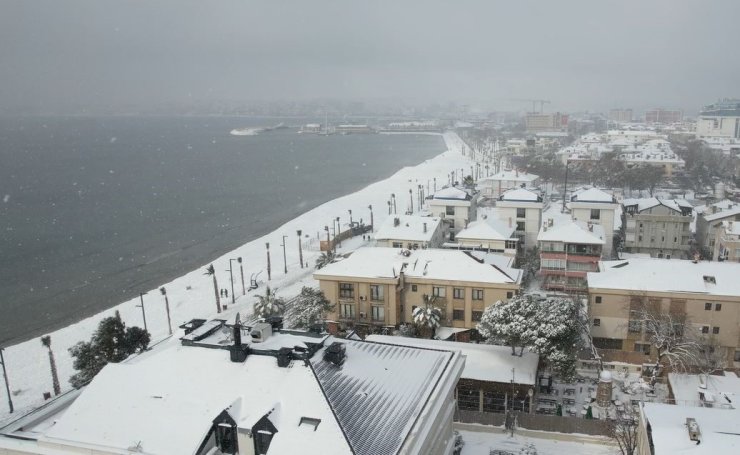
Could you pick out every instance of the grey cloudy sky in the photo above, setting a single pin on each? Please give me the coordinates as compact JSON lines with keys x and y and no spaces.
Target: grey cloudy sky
{"x":57,"y":54}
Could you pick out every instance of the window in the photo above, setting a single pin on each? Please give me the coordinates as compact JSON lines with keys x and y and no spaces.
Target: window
{"x":521,"y":213}
{"x":458,"y":315}
{"x":552,"y":264}
{"x":597,"y":322}
{"x":458,"y":293}
{"x":477,"y":315}
{"x":737,"y":356}
{"x":452,"y":225}
{"x":450,"y":210}
{"x":597,"y":299}
{"x":414,"y":288}
{"x":595,"y":214}
{"x":708,"y":306}
{"x":378,"y":313}
{"x":510,"y":244}
{"x":715,"y":330}
{"x":705,"y":329}
{"x":477,"y":294}
{"x":509,"y":294}
{"x":642,"y":347}
{"x":348,"y":310}
{"x":717,"y":307}
{"x":376,"y":292}
{"x":634,"y":326}
{"x":397,"y":245}
{"x":346,"y":290}
{"x":520,"y":226}
{"x":438,"y":291}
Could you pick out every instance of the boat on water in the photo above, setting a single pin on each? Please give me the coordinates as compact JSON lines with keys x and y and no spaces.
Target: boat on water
{"x":253,"y":131}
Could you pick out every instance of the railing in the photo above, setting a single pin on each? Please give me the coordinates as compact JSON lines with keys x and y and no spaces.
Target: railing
{"x":560,"y":424}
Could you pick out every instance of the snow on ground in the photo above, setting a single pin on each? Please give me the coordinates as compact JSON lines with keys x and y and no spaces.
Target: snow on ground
{"x":192,"y":295}
{"x":496,"y":438}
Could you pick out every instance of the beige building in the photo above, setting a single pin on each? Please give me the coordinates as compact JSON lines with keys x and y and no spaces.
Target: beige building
{"x":707,"y":294}
{"x":522,"y":208}
{"x":595,"y":206}
{"x":382,"y":286}
{"x":456,"y":207}
{"x":620,"y":115}
{"x":536,"y":122}
{"x":411,"y":231}
{"x":710,"y":218}
{"x":727,"y":246}
{"x":659,"y":227}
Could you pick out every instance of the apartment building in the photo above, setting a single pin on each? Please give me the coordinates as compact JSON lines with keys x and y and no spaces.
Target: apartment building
{"x":719,"y":120}
{"x":707,"y":294}
{"x":708,"y":220}
{"x":382,"y":286}
{"x":665,"y":116}
{"x":568,"y":251}
{"x":659,"y":227}
{"x":536,"y":122}
{"x":595,"y":206}
{"x":727,"y":245}
{"x":490,"y":235}
{"x":522,"y":208}
{"x":494,"y":186}
{"x":456,"y":206}
{"x":620,"y":115}
{"x":411,"y":231}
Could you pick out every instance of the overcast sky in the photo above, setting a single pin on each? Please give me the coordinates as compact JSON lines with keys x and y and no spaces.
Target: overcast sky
{"x":62,"y":54}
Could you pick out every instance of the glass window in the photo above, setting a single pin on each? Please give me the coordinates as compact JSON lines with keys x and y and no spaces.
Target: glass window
{"x":458,"y":293}
{"x":376,"y":292}
{"x":509,"y":294}
{"x":597,"y":299}
{"x":438,"y":291}
{"x":705,"y":329}
{"x":414,"y":288}
{"x":458,"y":315}
{"x":521,"y":226}
{"x":348,"y":310}
{"x":521,"y":213}
{"x":450,"y":210}
{"x":595,"y":214}
{"x":597,"y":322}
{"x":717,"y":307}
{"x":708,"y":306}
{"x":715,"y":330}
{"x":477,"y":315}
{"x":397,"y":245}
{"x":346,"y":290}
{"x":477,"y":294}
{"x":378,"y":313}
{"x":737,"y":356}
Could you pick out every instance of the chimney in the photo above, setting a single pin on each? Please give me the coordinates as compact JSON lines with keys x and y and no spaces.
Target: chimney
{"x":425,"y":228}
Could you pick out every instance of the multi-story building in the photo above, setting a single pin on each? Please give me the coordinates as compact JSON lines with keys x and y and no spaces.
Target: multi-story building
{"x":659,"y":227}
{"x":521,"y":208}
{"x":598,"y":207}
{"x":456,"y":207}
{"x":709,"y":218}
{"x":719,"y":120}
{"x":727,"y":245}
{"x":706,"y":294}
{"x":655,"y":153}
{"x":496,"y":185}
{"x":382,"y":286}
{"x":568,"y":251}
{"x":490,"y":235}
{"x":665,"y":116}
{"x":537,"y":123}
{"x":411,"y":231}
{"x":620,"y":115}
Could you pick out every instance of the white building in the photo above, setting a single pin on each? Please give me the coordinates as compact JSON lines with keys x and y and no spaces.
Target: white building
{"x":411,"y":231}
{"x":719,"y":120}
{"x":490,"y":235}
{"x":595,"y":206}
{"x":521,"y":208}
{"x":495,"y":185}
{"x":288,"y":394}
{"x":455,"y":206}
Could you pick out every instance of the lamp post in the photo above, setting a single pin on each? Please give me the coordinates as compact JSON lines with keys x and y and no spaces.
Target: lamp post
{"x":300,"y":248}
{"x":389,"y":207}
{"x":350,"y":217}
{"x":167,"y":307}
{"x":269,"y":269}
{"x":231,"y":275}
{"x":411,"y":200}
{"x":143,"y":312}
{"x":372,"y":225}
{"x":285,"y":260}
{"x":241,"y":268}
{"x":7,"y":385}
{"x":435,"y":184}
{"x":565,"y":189}
{"x":328,"y":240}
{"x":339,"y":232}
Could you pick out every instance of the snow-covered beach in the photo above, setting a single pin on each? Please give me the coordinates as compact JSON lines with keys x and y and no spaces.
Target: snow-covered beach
{"x":192,"y":295}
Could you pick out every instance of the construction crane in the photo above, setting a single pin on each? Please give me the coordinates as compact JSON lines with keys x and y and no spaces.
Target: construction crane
{"x":534,"y":103}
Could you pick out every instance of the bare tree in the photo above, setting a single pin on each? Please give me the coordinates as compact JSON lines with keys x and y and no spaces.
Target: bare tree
{"x":624,"y":431}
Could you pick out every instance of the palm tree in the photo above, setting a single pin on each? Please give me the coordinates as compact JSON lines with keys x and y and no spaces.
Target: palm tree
{"x":428,"y":317}
{"x":269,"y":304}
{"x":325,"y":259}
{"x":167,"y":306}
{"x":212,"y":272}
{"x":46,"y":341}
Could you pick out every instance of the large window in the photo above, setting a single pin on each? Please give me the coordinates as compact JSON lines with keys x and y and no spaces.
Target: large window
{"x":378,"y":313}
{"x":348,"y":310}
{"x":438,"y":291}
{"x":595,"y":214}
{"x":458,"y":315}
{"x":450,"y":210}
{"x":477,"y":294}
{"x":376,"y":292}
{"x":458,"y":293}
{"x":521,"y":213}
{"x":521,"y":226}
{"x":553,"y":264}
{"x":346,"y":290}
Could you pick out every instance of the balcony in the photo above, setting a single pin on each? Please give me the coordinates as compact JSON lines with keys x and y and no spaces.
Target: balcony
{"x":583,"y":250}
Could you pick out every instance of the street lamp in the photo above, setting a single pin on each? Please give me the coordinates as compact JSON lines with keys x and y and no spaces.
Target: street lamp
{"x":231,"y":275}
{"x":411,"y":199}
{"x":328,"y":240}
{"x":241,"y":267}
{"x":300,"y":248}
{"x":167,"y":306}
{"x":339,"y":233}
{"x":372,"y":225}
{"x":7,"y":385}
{"x":143,"y":312}
{"x":389,"y":207}
{"x":285,"y":261}
{"x":350,"y":217}
{"x":393,"y":198}
{"x":269,"y":269}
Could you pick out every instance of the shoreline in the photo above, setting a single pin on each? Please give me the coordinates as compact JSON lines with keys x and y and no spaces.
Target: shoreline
{"x":191,"y":294}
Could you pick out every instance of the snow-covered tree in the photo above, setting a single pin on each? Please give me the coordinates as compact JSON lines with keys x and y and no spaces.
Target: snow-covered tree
{"x":427,"y":318}
{"x":308,"y":309}
{"x":625,"y":431}
{"x":112,"y":342}
{"x":512,"y":322}
{"x":269,"y":304}
{"x":325,"y":259}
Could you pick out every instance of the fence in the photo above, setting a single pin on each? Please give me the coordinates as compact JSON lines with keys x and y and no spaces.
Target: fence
{"x":539,"y":422}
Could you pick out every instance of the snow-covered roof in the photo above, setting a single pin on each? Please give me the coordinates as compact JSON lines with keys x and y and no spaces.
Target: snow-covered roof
{"x":430,"y":264}
{"x":731,"y":228}
{"x":487,"y":229}
{"x":513,"y":175}
{"x":483,"y":362}
{"x":442,"y":333}
{"x":648,"y":203}
{"x":452,"y":192}
{"x":668,"y":275}
{"x":520,"y":194}
{"x":724,"y":390}
{"x":571,"y":231}
{"x":735,"y":210}
{"x":591,"y":195}
{"x":719,"y":429}
{"x":409,"y":227}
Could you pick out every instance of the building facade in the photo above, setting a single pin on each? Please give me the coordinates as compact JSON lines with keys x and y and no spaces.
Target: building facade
{"x":719,"y":120}
{"x":665,"y":116}
{"x":596,"y":207}
{"x":456,"y":207}
{"x":727,"y":244}
{"x":411,"y":231}
{"x":536,"y":122}
{"x":568,"y":251}
{"x":523,"y":209}
{"x":490,"y":235}
{"x":620,"y":115}
{"x":496,"y":185}
{"x":658,"y":227}
{"x":709,"y":220}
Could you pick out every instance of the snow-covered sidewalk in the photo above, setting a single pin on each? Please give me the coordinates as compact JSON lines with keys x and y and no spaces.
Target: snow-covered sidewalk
{"x":192,"y":295}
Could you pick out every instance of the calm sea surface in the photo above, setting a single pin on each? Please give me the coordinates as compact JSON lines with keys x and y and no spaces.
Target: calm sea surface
{"x":93,"y":210}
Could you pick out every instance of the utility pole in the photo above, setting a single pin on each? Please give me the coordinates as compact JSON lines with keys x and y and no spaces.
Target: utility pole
{"x":372,"y":225}
{"x":241,"y":268}
{"x":231,"y":275}
{"x":565,"y":190}
{"x":7,"y":384}
{"x":411,"y":199}
{"x":269,"y":269}
{"x":435,"y":184}
{"x":285,"y":260}
{"x":300,"y":248}
{"x":143,"y":312}
{"x":167,"y":307}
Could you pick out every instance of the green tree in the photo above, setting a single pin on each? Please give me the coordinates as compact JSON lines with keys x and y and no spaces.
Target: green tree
{"x":269,"y":304}
{"x":325,"y":259}
{"x":308,"y":309}
{"x":112,"y":342}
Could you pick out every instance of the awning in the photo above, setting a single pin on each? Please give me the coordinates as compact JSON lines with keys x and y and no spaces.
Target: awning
{"x":443,"y":333}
